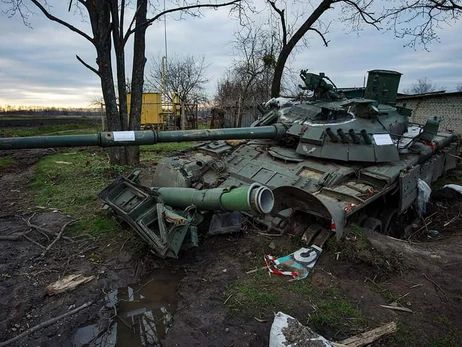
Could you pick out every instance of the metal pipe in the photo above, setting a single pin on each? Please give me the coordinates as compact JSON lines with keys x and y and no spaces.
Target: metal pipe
{"x":331,"y":134}
{"x":142,"y":137}
{"x":366,"y":136}
{"x":342,"y":136}
{"x":354,"y":137}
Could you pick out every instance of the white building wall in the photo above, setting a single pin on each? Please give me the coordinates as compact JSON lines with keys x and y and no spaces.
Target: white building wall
{"x":449,"y":107}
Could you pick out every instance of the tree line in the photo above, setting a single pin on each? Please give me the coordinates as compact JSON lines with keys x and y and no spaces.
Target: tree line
{"x":111,"y":24}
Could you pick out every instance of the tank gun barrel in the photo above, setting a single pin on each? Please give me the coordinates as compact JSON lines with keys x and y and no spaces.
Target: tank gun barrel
{"x":142,"y":137}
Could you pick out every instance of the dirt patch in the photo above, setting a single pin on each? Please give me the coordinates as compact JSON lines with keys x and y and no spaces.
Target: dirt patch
{"x":430,"y":283}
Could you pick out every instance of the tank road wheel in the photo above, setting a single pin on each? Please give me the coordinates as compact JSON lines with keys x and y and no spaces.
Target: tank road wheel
{"x":372,"y":224}
{"x":388,"y":218}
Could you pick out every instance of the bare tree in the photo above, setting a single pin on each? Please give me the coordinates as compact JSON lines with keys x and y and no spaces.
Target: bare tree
{"x":184,"y":75}
{"x":247,"y":82}
{"x":109,"y":35}
{"x":459,"y":87}
{"x":419,"y":19}
{"x":422,"y":86}
{"x":353,"y":14}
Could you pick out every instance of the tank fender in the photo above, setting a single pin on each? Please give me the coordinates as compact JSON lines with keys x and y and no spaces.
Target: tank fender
{"x":286,"y":197}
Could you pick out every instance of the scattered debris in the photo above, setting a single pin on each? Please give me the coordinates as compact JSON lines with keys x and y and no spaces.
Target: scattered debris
{"x":225,"y":223}
{"x":370,"y":336}
{"x":256,"y":270}
{"x":297,"y":264}
{"x":167,"y":217}
{"x":227,"y":299}
{"x":448,"y":192}
{"x":13,"y":237}
{"x":45,"y":324}
{"x":423,"y":196}
{"x":287,"y":331}
{"x":259,"y":320}
{"x":67,"y":283}
{"x":437,"y":286}
{"x":397,"y":308}
{"x":60,"y":234}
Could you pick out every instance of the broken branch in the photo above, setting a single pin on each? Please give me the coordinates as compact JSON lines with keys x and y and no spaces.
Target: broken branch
{"x":57,"y":237}
{"x":45,"y":324}
{"x":437,"y":286}
{"x":13,"y":237}
{"x":49,"y":232}
{"x":398,"y":308}
{"x":370,"y":336}
{"x":67,"y":283}
{"x":33,"y":241}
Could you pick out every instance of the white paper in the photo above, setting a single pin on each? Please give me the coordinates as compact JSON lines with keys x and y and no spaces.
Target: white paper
{"x":124,"y":135}
{"x":382,"y":139}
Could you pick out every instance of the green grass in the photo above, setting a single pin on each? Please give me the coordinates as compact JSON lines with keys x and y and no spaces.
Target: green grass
{"x":70,"y":128}
{"x":160,"y":150}
{"x":255,"y":296}
{"x":166,"y":147}
{"x":335,"y":313}
{"x":357,"y":248}
{"x":70,"y":182}
{"x":6,"y":161}
{"x":259,"y":295}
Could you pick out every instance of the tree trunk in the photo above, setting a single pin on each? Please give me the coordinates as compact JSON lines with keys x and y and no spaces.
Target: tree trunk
{"x":119,"y":48}
{"x":139,"y":62}
{"x":100,"y":20}
{"x":287,"y":49}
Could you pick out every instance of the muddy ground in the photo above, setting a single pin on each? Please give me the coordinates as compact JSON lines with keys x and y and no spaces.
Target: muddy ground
{"x":429,"y":282}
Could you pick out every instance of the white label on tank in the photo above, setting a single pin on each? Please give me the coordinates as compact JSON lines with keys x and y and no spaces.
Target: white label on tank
{"x":382,"y":139}
{"x":124,"y":135}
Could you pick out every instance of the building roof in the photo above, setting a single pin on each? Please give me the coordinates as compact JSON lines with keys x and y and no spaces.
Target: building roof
{"x":439,"y":93}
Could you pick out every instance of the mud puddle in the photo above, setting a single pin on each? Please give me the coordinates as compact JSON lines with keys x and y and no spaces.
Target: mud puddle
{"x":141,"y":314}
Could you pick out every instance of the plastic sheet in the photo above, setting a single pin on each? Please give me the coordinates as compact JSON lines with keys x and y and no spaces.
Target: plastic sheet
{"x":423,"y":196}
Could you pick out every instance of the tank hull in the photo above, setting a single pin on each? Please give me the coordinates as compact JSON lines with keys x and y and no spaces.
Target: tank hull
{"x":331,"y":193}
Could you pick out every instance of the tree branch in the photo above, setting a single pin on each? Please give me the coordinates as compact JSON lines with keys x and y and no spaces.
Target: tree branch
{"x":283,"y":21}
{"x":88,"y":66}
{"x":130,"y":30}
{"x":178,"y":9}
{"x":60,"y":21}
{"x":326,"y":42}
{"x":366,"y":16}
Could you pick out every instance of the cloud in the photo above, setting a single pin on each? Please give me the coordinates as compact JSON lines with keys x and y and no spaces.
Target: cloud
{"x":38,"y":66}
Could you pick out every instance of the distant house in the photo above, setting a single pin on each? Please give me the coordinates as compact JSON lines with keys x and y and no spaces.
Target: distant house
{"x":440,"y":104}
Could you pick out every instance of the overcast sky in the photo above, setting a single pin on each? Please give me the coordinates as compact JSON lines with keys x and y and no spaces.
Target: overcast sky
{"x":38,"y":66}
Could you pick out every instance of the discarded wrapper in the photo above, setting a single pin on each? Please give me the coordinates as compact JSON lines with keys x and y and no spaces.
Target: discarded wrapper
{"x":297,"y":264}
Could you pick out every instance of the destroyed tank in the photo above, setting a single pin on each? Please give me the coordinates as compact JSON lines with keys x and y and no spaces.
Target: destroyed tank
{"x":333,"y":161}
{"x":328,"y":160}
